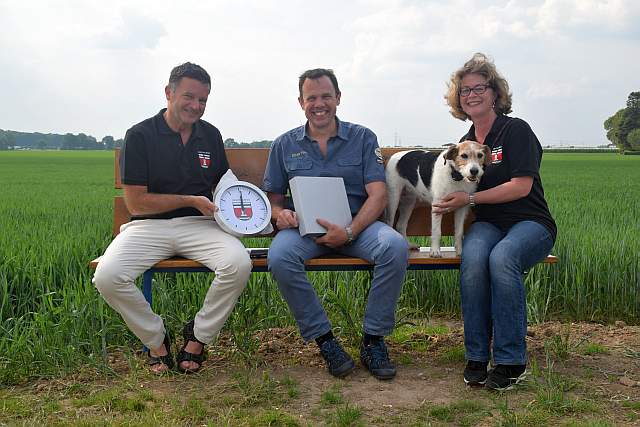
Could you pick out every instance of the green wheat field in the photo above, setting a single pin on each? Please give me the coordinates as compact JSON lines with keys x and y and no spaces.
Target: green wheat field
{"x":55,"y":216}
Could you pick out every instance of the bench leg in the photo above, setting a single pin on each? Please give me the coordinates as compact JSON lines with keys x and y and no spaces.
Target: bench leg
{"x":147,"y":279}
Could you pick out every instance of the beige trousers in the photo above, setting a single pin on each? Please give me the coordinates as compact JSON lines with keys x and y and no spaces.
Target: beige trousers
{"x":143,"y":243}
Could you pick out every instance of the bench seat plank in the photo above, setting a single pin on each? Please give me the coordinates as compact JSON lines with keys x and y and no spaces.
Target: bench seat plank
{"x":417,"y":261}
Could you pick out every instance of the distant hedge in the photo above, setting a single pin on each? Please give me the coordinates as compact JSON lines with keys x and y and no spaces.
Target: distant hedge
{"x":580,"y":150}
{"x":631,"y":153}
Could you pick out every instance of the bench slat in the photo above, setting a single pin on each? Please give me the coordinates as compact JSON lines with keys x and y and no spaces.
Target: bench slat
{"x":416,"y":259}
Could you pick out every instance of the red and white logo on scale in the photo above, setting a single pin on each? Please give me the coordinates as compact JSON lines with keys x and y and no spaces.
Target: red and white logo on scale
{"x":496,"y":155}
{"x":205,"y":159}
{"x":242,"y":209}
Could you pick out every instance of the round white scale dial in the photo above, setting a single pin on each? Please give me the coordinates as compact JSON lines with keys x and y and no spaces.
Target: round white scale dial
{"x":243,"y":209}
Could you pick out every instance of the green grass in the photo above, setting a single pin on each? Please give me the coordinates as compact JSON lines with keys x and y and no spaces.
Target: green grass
{"x":416,"y":337}
{"x":56,"y":215}
{"x":592,"y":348}
{"x":333,"y":396}
{"x":462,"y":413}
{"x":452,"y":354}
{"x":347,"y":416}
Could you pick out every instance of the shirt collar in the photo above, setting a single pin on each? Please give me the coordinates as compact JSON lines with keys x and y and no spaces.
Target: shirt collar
{"x":164,"y":128}
{"x":341,"y":133}
{"x":495,"y":128}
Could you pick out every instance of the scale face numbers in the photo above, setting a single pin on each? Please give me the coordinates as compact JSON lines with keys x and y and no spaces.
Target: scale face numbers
{"x":243,"y":209}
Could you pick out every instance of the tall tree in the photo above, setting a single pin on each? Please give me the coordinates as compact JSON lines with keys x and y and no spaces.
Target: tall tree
{"x":11,"y":139}
{"x":70,"y":142}
{"x":4,"y":141}
{"x":631,"y":119}
{"x":623,"y":122}
{"x":612,"y":126}
{"x":633,"y":139}
{"x":633,"y":101}
{"x":108,"y":142}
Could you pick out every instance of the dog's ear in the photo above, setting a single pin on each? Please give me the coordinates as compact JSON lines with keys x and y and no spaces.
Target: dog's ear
{"x":451,"y":154}
{"x":487,"y":155}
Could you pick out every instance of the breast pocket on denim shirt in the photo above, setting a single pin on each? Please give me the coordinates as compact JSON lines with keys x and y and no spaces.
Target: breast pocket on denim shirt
{"x":350,"y":169}
{"x":298,"y":167}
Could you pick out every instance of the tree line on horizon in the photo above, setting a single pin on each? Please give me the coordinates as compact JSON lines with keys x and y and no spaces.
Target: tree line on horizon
{"x":12,"y":140}
{"x":623,"y":128}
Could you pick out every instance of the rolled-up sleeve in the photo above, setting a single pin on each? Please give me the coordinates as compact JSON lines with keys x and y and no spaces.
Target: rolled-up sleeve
{"x":133,"y":160}
{"x":373,"y":166}
{"x":275,"y":175}
{"x":523,"y":150}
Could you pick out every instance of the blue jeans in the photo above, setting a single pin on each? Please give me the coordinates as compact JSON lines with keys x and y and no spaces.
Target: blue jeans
{"x":378,"y":243}
{"x":494,"y":301}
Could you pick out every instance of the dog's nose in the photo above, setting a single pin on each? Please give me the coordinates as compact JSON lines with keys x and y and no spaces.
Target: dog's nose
{"x":474,"y":171}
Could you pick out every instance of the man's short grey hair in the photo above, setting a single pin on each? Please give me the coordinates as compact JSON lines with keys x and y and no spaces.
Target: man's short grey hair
{"x":191,"y":71}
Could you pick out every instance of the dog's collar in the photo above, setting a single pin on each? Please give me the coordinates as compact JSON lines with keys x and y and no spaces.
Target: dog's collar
{"x":455,"y":175}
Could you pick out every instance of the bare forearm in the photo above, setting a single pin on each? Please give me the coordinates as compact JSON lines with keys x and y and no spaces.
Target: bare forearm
{"x":153,"y":203}
{"x":515,"y":189}
{"x":277,"y":205}
{"x":140,"y":202}
{"x":369,"y":212}
{"x":283,"y":218}
{"x":512,"y":190}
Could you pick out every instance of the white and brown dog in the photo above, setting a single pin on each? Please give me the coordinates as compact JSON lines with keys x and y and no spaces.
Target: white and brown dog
{"x":423,"y":175}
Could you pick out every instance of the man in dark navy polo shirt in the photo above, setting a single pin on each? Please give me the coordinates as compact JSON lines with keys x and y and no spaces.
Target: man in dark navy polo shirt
{"x":169,"y":166}
{"x":326,"y":146}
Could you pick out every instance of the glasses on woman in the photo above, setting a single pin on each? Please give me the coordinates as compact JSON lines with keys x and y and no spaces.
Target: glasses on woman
{"x":477,"y":89}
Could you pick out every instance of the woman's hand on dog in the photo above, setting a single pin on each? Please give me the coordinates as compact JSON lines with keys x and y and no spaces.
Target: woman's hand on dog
{"x":451,"y":202}
{"x":336,"y":235}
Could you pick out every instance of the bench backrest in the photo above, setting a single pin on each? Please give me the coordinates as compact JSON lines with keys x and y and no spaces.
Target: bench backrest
{"x":248,"y":164}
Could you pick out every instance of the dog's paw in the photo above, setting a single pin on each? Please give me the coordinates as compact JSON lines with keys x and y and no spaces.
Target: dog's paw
{"x":458,"y":246}
{"x":458,"y":251}
{"x":435,"y":253}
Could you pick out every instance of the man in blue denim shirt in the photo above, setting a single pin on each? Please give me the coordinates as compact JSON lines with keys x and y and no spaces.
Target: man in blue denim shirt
{"x":326,"y":146}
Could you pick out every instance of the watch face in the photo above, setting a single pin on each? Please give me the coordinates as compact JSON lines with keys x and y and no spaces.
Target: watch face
{"x":242,"y":208}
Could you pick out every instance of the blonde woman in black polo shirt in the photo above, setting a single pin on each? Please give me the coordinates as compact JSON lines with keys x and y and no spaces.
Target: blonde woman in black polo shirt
{"x":512,"y":231}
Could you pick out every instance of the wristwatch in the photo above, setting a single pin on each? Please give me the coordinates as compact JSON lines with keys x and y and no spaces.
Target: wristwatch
{"x":349,"y":235}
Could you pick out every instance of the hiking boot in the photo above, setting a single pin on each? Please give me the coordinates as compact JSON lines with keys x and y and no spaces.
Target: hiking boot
{"x":339,"y":363}
{"x":376,"y":359}
{"x":475,"y":374}
{"x":505,"y":377}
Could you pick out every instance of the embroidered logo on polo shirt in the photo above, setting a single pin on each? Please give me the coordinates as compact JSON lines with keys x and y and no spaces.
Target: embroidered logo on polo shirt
{"x":205,"y":159}
{"x":496,"y":155}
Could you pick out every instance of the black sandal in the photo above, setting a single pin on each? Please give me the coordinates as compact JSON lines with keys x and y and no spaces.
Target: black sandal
{"x":167,"y":359}
{"x":184,"y":355}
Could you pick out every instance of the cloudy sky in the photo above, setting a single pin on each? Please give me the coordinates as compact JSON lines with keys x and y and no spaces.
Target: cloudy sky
{"x":98,"y":67}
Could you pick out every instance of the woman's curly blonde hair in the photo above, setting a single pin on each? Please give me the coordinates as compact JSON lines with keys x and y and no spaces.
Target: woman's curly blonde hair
{"x":478,"y":64}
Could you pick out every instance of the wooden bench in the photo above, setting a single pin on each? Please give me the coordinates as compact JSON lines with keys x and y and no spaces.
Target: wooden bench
{"x":249,"y":164}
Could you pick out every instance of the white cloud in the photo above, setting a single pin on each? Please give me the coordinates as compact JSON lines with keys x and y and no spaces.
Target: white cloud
{"x":591,"y":16}
{"x":98,"y":67}
{"x":557,"y":89}
{"x":135,"y":31}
